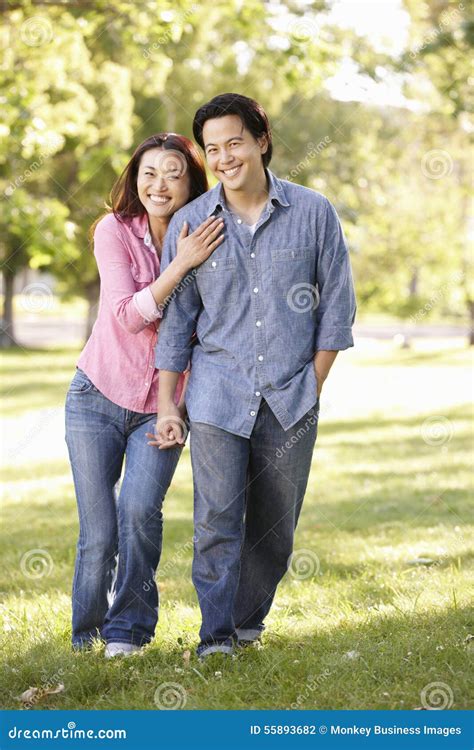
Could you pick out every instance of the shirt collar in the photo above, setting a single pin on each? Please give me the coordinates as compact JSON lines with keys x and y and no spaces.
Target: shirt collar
{"x":139,"y":227}
{"x":276,"y":193}
{"x":277,"y":189}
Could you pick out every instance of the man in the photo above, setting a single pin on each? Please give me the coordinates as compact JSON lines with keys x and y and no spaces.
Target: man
{"x":270,"y":308}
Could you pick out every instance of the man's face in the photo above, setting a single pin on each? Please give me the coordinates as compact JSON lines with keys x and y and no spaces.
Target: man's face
{"x":234,"y":156}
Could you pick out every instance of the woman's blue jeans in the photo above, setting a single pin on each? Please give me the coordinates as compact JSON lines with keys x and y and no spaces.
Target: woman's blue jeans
{"x":114,"y":595}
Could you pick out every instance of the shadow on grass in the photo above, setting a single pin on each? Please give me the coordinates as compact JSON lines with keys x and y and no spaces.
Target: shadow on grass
{"x":26,"y":397}
{"x":461,"y":413}
{"x":434,"y":357}
{"x":46,"y":469}
{"x":14,"y":351}
{"x":367,"y":514}
{"x":35,"y":378}
{"x":365,"y":571}
{"x":383,"y":662}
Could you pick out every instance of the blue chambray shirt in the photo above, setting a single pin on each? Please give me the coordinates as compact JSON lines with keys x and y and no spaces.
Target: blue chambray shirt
{"x":261,"y":306}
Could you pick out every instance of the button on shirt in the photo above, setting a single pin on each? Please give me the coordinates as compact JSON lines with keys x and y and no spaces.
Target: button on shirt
{"x":261,"y":306}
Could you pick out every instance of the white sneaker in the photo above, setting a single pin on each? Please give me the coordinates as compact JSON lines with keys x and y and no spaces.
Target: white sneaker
{"x":120,"y":649}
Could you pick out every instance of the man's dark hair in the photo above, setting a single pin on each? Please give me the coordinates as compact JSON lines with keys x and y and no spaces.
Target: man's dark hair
{"x":251,"y":113}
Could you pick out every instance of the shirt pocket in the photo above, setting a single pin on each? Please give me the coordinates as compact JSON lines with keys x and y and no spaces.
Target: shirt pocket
{"x":293,"y":275}
{"x":217,"y":282}
{"x":142,"y":276}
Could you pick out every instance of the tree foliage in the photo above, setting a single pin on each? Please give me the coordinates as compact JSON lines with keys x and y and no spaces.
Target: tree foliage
{"x":83,"y":83}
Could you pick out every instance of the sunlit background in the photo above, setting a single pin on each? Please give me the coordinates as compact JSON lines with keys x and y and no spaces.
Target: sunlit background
{"x":370,"y":104}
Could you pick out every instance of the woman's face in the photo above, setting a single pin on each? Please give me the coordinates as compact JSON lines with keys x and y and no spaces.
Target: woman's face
{"x":163,"y":182}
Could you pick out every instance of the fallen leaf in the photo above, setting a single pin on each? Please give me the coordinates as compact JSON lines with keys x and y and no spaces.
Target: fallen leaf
{"x":52,"y":691}
{"x":29,"y":695}
{"x":187,"y":656}
{"x":34,"y":694}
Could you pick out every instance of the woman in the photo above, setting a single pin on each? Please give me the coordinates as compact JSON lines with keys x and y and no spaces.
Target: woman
{"x":111,"y":403}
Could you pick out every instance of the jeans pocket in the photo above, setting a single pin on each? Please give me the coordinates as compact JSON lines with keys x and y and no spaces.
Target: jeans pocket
{"x":81,"y":383}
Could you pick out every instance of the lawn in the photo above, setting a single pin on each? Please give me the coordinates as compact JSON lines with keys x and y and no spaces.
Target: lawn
{"x":376,"y":610}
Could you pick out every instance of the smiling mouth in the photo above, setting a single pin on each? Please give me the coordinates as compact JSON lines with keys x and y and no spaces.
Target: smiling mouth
{"x":160,"y":200}
{"x":231,"y":172}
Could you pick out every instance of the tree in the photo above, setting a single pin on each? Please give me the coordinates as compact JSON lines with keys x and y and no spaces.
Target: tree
{"x":99,"y":78}
{"x":441,"y":43}
{"x":44,"y":101}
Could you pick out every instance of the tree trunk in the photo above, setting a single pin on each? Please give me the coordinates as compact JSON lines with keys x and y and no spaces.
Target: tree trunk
{"x":470,"y":307}
{"x":412,"y":292}
{"x":7,"y":339}
{"x":92,"y":296}
{"x":413,"y":286}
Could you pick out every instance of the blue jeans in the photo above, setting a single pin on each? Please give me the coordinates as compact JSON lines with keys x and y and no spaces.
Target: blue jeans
{"x":248,"y":494}
{"x":117,"y":601}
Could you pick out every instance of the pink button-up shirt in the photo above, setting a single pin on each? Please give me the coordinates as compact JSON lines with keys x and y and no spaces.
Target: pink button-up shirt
{"x":119,"y":355}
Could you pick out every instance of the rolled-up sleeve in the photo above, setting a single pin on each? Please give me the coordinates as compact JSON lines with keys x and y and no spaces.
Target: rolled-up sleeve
{"x":336,"y":311}
{"x":145,"y":303}
{"x":117,"y":283}
{"x":182,"y":308}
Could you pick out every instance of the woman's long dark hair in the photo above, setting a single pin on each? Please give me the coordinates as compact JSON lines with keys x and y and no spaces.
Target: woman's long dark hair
{"x":124,"y":200}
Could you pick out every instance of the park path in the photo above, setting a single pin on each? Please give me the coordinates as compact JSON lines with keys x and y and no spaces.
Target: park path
{"x":363,"y":385}
{"x":56,"y":332}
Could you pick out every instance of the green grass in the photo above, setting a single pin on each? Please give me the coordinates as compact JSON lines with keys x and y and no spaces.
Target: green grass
{"x":367,"y":629}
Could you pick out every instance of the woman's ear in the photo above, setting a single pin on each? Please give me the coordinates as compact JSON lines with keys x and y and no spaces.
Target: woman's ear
{"x":263,"y":143}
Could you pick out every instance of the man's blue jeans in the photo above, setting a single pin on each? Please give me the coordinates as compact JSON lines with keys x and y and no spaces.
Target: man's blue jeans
{"x":248,"y":495}
{"x":118,"y":602}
